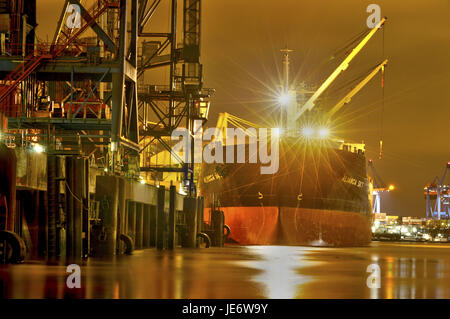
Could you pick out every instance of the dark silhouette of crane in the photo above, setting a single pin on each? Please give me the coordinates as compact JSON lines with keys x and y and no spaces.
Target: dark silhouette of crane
{"x":437,"y":195}
{"x":379,"y":186}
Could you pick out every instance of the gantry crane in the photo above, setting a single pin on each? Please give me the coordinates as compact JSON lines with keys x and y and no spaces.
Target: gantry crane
{"x":438,"y":193}
{"x":181,"y":102}
{"x":98,"y":74}
{"x":379,"y":187}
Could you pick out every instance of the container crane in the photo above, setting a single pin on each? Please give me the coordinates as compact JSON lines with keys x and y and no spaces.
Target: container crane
{"x":438,"y":193}
{"x":379,"y":187}
{"x":342,"y":67}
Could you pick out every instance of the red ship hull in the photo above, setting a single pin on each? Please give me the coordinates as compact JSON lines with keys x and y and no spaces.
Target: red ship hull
{"x":296,"y":226}
{"x":316,"y":227}
{"x":259,"y":227}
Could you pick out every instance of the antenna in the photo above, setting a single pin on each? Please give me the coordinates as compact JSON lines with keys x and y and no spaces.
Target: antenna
{"x":286,"y":62}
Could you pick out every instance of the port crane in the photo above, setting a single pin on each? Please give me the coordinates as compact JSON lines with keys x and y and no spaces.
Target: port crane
{"x":379,"y":187}
{"x":342,"y":67}
{"x":437,"y":195}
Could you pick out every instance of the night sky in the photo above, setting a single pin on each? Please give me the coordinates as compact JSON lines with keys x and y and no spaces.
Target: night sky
{"x":241,"y":40}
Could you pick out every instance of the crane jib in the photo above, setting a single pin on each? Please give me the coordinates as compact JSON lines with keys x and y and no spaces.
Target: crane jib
{"x":342,"y":67}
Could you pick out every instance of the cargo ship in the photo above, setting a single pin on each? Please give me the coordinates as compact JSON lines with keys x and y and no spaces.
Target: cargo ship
{"x":320,"y":195}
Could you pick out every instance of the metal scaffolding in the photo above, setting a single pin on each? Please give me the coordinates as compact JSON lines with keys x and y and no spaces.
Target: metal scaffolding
{"x":77,"y":95}
{"x":178,"y":103}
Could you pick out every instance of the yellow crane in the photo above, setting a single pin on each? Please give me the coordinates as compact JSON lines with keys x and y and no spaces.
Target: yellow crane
{"x":346,"y":99}
{"x":342,"y":67}
{"x":226,"y":118}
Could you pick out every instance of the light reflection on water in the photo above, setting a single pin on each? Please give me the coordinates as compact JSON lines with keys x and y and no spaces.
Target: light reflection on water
{"x":277,"y":267}
{"x":306,"y":272}
{"x":407,"y":271}
{"x":410,"y":278}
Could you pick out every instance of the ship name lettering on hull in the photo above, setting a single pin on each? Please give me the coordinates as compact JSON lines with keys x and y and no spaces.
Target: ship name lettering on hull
{"x":352,"y":181}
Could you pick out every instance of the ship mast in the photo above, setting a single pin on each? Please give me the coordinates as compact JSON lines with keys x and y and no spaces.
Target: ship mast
{"x":285,"y":97}
{"x":286,"y":62}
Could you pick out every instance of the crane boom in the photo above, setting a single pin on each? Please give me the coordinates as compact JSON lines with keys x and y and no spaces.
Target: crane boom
{"x":342,"y":67}
{"x":355,"y":90}
{"x":226,"y":118}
